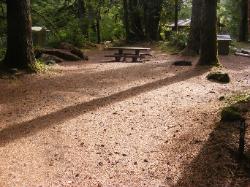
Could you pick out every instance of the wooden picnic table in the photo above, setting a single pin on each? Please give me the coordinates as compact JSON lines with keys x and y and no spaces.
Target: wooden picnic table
{"x":125,"y":52}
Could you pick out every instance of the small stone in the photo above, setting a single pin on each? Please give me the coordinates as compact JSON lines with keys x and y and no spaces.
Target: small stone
{"x":77,"y":175}
{"x":82,"y":144}
{"x":100,"y":164}
{"x":145,"y":160}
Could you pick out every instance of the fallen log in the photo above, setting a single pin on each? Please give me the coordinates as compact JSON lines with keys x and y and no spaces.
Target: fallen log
{"x":242,"y":54}
{"x":245,"y":51}
{"x":47,"y":58}
{"x":63,"y":54}
{"x":74,"y":50}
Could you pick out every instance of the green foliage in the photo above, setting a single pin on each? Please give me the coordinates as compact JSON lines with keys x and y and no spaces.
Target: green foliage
{"x":239,"y":98}
{"x":111,"y":24}
{"x":165,"y":46}
{"x":39,"y":66}
{"x":237,"y":106}
{"x":168,"y":10}
{"x":179,"y":39}
{"x":231,"y":113}
{"x":229,"y":16}
{"x":71,"y":33}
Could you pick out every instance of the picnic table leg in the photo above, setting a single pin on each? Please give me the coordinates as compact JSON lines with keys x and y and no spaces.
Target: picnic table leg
{"x":137,"y":53}
{"x":120,"y":52}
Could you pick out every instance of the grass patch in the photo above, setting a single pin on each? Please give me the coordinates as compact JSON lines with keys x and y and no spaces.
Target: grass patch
{"x":238,"y":106}
{"x":230,"y":114}
{"x":39,"y":67}
{"x":167,"y":47}
{"x":239,"y":98}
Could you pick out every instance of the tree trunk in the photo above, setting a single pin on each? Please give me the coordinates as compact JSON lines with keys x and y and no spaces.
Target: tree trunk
{"x":98,"y":31}
{"x":176,"y":16}
{"x":82,"y":17}
{"x":126,"y":20}
{"x":193,"y":45}
{"x":136,"y":31}
{"x":243,"y":34}
{"x":152,"y":13}
{"x":209,"y":49}
{"x":19,"y":40}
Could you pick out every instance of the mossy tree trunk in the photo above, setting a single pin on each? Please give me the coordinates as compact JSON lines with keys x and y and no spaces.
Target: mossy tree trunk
{"x":19,"y":36}
{"x":243,"y":32}
{"x":209,"y":49}
{"x":193,"y":45}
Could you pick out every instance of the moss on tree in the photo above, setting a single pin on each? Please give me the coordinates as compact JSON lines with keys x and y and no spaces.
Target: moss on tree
{"x":231,"y":113}
{"x":219,"y":77}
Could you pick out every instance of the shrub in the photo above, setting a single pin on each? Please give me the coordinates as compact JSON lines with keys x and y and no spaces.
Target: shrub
{"x":179,"y":39}
{"x":71,"y":33}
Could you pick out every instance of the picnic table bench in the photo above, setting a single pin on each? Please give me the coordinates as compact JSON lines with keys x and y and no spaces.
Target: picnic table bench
{"x":134,"y":53}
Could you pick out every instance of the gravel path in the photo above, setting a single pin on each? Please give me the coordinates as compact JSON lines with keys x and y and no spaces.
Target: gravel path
{"x":110,"y":124}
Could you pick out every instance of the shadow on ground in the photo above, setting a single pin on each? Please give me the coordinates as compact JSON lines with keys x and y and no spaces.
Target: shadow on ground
{"x":217,"y":163}
{"x":28,"y":128}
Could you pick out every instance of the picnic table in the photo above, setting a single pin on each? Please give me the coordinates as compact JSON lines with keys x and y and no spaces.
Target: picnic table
{"x":134,"y":53}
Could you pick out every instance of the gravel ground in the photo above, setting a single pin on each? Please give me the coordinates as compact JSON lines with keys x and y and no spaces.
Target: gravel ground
{"x":102,"y":123}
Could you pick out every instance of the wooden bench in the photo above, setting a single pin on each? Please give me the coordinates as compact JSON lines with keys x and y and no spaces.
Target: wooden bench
{"x":134,"y":55}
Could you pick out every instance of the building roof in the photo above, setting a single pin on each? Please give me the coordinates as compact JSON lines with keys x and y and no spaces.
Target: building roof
{"x":38,"y":29}
{"x":182,"y":23}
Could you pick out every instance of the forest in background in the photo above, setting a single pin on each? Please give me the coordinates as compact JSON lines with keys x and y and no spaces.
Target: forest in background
{"x":82,"y":22}
{"x":79,"y":22}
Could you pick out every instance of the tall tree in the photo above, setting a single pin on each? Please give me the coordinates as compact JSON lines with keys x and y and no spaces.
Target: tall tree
{"x":243,"y":32}
{"x":19,"y":37}
{"x":209,"y":50}
{"x":152,"y":13}
{"x":82,"y":14}
{"x":176,"y":14}
{"x":136,"y":31}
{"x":126,"y":18}
{"x":193,"y":45}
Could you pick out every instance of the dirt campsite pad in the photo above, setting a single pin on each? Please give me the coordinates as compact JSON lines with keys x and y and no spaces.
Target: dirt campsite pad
{"x":100,"y":123}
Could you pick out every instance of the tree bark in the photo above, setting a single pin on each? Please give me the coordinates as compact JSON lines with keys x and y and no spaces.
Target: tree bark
{"x":136,"y":31}
{"x":193,"y":45}
{"x":98,"y":31}
{"x":176,"y":16}
{"x":126,"y":19}
{"x":152,"y":13}
{"x":82,"y":17}
{"x":19,"y":36}
{"x":243,"y":32}
{"x":209,"y":50}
